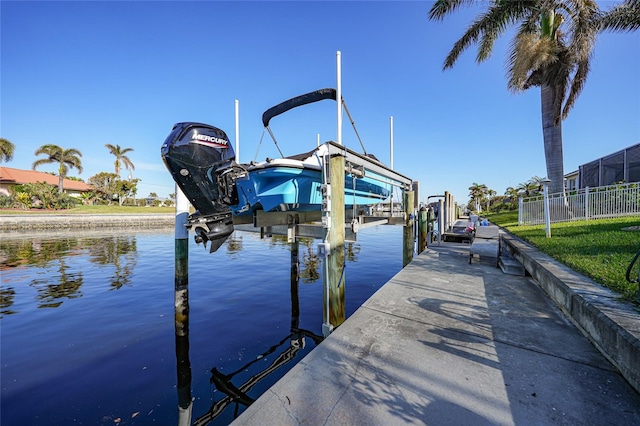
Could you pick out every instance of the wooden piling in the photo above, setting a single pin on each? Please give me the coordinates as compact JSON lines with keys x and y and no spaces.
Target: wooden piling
{"x":422,"y":229}
{"x":335,"y":276}
{"x":407,"y":237}
{"x":431,"y":218}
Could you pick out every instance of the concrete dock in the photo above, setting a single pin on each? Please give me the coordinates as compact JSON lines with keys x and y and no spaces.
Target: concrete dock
{"x":446,"y":342}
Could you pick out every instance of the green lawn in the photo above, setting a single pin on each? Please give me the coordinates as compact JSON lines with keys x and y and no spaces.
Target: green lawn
{"x":599,"y":249}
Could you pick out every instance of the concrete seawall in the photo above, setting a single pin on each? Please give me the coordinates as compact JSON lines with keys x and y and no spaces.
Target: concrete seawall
{"x":612,"y":326}
{"x":83,"y":221}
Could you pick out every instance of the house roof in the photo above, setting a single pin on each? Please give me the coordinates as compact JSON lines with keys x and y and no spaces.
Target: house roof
{"x":9,"y":176}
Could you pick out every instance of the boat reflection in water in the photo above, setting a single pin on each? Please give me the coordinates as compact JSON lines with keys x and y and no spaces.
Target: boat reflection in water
{"x":235,"y":386}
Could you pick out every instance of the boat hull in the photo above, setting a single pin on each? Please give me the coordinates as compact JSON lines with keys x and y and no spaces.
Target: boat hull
{"x":285,"y":187}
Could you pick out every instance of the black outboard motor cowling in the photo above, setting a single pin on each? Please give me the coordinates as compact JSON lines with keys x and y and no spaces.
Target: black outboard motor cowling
{"x":193,"y":152}
{"x":201,"y":159}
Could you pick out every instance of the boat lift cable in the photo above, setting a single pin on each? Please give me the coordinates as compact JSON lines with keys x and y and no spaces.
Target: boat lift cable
{"x":259,"y":145}
{"x":274,"y":140}
{"x":353,"y":124}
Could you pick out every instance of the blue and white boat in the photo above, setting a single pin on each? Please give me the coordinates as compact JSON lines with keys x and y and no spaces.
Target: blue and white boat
{"x":202,"y":163}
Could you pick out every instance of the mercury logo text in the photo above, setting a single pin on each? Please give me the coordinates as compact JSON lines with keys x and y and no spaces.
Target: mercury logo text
{"x":211,"y":139}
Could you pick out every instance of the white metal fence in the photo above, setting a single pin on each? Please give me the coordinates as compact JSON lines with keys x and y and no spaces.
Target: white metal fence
{"x":587,"y":203}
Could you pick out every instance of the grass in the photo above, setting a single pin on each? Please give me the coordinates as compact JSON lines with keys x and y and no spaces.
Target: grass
{"x":95,"y":210}
{"x":599,"y":249}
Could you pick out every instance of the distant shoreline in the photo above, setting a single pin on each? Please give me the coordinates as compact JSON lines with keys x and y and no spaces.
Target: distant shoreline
{"x":55,"y":221}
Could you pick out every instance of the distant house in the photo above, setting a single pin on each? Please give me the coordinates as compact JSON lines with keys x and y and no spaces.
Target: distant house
{"x":10,"y":177}
{"x":571,"y":180}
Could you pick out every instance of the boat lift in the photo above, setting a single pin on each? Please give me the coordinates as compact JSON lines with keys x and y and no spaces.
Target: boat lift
{"x":310,"y":223}
{"x":330,"y":225}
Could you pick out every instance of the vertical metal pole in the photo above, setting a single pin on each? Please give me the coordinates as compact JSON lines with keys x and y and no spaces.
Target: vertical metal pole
{"x":407,"y":235}
{"x":586,"y":203}
{"x":339,"y":93}
{"x":237,"y":131}
{"x":440,"y":219}
{"x":547,"y":219}
{"x":391,"y":161}
{"x":391,"y":142}
{"x":447,"y":208}
{"x":520,"y":212}
{"x":181,"y":305}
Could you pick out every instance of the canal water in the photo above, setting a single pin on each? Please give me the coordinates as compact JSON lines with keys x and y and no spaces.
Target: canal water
{"x":87,"y":331}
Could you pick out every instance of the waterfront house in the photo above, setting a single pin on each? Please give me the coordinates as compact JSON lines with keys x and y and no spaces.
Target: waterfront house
{"x":10,"y":177}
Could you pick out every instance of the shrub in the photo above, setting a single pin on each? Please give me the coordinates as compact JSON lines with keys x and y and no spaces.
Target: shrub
{"x":7,"y":202}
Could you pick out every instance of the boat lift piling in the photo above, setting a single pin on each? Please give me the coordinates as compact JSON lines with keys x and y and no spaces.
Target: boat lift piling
{"x":422,"y":229}
{"x":332,"y":249}
{"x":407,"y":236}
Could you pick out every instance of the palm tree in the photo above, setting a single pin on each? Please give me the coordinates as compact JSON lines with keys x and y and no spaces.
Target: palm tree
{"x":476,"y":193}
{"x":622,"y":17}
{"x":120,"y":154}
{"x":527,"y":189}
{"x":513,"y":194}
{"x":551,"y":49}
{"x":490,"y":193}
{"x":65,"y":157}
{"x":6,"y":150}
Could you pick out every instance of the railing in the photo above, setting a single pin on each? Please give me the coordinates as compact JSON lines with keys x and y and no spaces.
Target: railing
{"x":587,"y":203}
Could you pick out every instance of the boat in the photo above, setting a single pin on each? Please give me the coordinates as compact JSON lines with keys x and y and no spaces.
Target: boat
{"x":202,"y":162}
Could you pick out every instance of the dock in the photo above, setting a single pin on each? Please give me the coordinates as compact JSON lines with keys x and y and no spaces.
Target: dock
{"x":446,"y":342}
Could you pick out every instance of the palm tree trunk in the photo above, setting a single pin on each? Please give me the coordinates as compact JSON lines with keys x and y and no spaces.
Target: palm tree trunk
{"x":552,"y":134}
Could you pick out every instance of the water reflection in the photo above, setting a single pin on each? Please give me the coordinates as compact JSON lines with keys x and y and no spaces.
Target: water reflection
{"x":236,"y":395}
{"x":311,"y":262}
{"x":118,"y":251}
{"x":234,"y":243}
{"x":120,"y":334}
{"x":54,"y":253}
{"x":67,"y":285}
{"x":7,"y":299}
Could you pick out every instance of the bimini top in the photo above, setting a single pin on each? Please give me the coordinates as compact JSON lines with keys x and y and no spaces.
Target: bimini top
{"x":307,"y":98}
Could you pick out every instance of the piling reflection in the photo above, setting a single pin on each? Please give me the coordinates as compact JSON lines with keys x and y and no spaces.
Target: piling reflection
{"x":181,"y":304}
{"x":234,"y":243}
{"x":236,"y":395}
{"x":55,"y":254}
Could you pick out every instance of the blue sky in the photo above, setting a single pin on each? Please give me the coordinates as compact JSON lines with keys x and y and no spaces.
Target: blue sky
{"x":83,"y":74}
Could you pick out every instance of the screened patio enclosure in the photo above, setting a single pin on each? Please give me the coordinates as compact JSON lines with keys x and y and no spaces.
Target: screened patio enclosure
{"x":623,"y":165}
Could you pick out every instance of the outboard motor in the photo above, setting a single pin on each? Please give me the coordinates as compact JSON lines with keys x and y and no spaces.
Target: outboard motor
{"x":197,"y":155}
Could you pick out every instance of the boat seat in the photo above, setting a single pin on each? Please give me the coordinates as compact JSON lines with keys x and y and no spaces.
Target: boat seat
{"x":486,"y":243}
